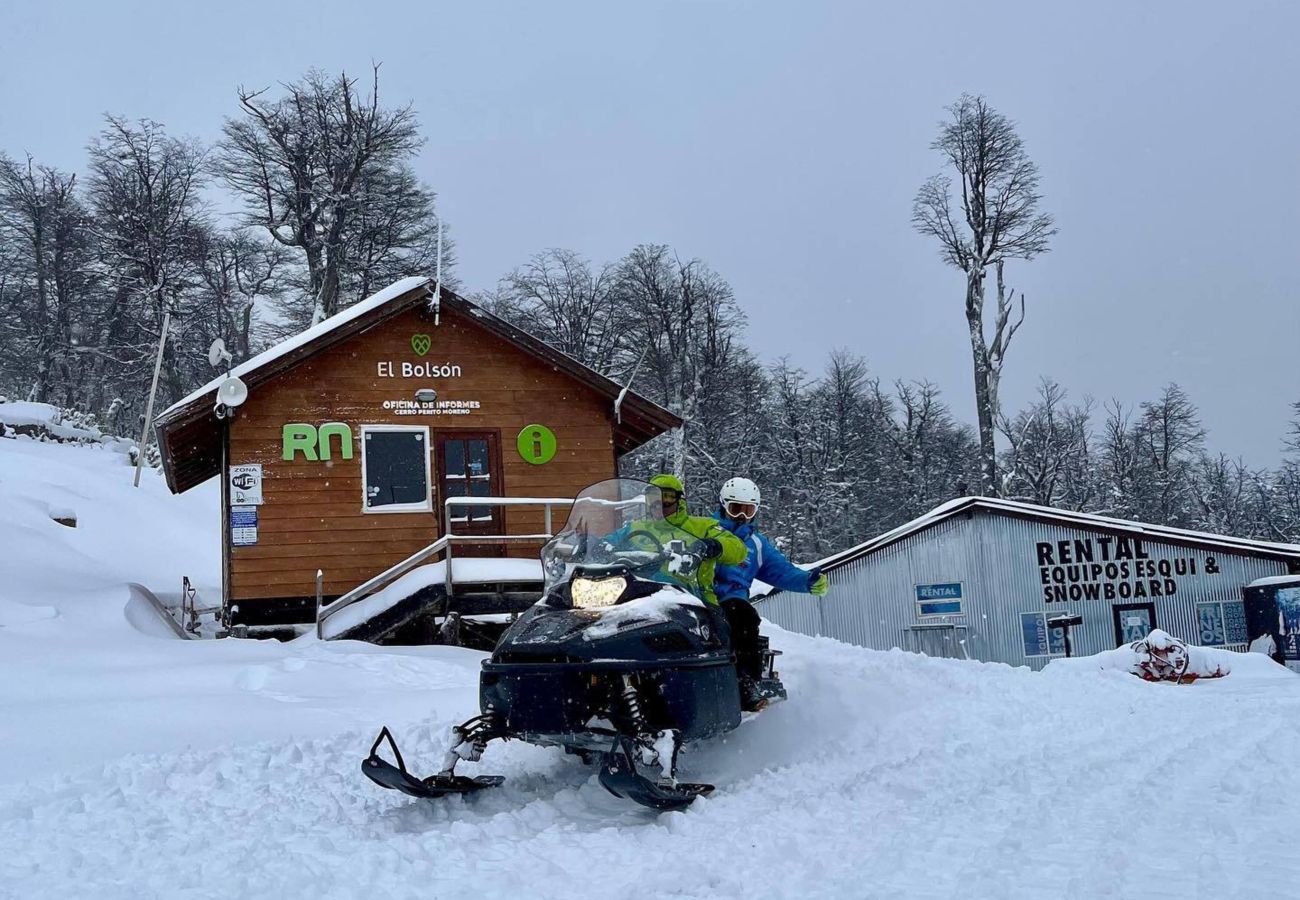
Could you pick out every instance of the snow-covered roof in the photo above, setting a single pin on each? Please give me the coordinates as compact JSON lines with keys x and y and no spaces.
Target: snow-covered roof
{"x":189,"y":433}
{"x":319,"y":330}
{"x":1066,"y":517}
{"x":1275,"y":579}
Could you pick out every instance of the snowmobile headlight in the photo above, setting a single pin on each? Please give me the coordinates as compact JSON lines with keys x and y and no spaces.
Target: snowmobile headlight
{"x":594,"y":593}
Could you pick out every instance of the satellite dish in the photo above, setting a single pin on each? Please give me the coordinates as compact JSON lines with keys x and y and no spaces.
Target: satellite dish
{"x":232,"y":392}
{"x":218,"y":354}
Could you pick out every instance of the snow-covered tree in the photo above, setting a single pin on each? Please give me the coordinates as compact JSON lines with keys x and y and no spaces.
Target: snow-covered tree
{"x":685,"y":319}
{"x":557,"y":296}
{"x":46,"y":281}
{"x":1050,"y":456}
{"x":149,"y":220}
{"x":237,"y":271}
{"x":325,"y":170}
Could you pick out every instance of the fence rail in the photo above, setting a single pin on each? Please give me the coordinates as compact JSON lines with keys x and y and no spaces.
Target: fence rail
{"x":443,"y":546}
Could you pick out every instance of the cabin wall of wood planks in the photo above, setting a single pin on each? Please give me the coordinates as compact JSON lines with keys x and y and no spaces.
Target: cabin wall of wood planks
{"x":313,"y":517}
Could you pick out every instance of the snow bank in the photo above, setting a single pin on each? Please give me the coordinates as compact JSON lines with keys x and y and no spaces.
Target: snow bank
{"x":1203,"y":662}
{"x":44,"y":421}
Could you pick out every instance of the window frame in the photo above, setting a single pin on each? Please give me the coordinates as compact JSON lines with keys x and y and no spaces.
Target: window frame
{"x":960,"y":600}
{"x":427,"y":505}
{"x":1119,"y":608}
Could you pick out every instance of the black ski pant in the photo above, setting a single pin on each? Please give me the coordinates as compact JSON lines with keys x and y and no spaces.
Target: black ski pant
{"x":742,"y":625}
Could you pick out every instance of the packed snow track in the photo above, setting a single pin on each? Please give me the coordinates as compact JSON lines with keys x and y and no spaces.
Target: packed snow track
{"x":886,"y":774}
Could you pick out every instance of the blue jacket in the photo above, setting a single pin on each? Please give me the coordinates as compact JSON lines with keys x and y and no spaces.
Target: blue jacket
{"x":765,"y":562}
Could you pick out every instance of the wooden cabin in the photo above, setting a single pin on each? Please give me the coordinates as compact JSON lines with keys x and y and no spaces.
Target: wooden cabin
{"x":354,"y":433}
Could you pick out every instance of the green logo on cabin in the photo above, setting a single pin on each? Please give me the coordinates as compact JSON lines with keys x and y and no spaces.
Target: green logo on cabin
{"x":421,"y":343}
{"x":536,"y":444}
{"x":314,"y":443}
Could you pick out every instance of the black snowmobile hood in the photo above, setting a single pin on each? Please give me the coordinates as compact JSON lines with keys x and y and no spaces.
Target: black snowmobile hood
{"x":667,"y":623}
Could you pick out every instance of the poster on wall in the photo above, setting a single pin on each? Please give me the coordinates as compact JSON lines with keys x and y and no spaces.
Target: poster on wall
{"x":1038,"y":638}
{"x":243,"y":526}
{"x":1288,"y":621}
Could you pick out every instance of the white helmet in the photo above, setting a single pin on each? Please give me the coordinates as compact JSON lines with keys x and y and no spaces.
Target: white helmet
{"x":740,"y":498}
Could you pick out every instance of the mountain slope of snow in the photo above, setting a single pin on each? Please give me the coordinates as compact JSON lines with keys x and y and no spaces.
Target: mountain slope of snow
{"x":142,"y":766}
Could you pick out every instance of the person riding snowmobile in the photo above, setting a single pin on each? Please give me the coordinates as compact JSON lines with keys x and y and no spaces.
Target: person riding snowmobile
{"x":718,"y":544}
{"x":739,"y":502}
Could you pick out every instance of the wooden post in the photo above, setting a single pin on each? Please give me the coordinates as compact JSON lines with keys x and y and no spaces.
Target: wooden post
{"x":320,"y":583}
{"x":153,"y":389}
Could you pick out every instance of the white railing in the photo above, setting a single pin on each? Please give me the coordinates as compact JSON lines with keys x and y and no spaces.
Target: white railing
{"x":443,"y":545}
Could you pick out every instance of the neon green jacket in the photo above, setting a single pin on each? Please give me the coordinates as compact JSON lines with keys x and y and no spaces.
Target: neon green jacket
{"x":734,"y":550}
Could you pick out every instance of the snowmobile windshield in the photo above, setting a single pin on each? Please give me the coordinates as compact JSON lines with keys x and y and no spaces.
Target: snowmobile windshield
{"x":617,"y":528}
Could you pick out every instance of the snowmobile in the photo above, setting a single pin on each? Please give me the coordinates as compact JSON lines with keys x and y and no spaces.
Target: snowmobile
{"x":620,"y":662}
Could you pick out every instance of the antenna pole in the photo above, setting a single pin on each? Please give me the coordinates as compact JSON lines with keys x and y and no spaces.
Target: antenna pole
{"x":148,"y":409}
{"x":437,"y":279}
{"x":618,"y":403}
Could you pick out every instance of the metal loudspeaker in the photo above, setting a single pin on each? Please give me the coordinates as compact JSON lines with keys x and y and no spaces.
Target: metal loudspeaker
{"x":217,"y":353}
{"x":230,"y":394}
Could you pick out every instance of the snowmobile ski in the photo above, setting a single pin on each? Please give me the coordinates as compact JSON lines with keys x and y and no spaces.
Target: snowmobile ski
{"x":619,"y":775}
{"x":395,"y":777}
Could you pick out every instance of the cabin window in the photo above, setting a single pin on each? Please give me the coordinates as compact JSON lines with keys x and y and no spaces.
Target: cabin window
{"x":395,"y":468}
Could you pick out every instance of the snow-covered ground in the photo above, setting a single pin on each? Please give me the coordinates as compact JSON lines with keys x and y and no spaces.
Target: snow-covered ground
{"x":137,"y":765}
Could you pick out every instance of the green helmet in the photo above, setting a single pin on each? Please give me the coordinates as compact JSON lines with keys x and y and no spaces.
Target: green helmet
{"x":669,"y":483}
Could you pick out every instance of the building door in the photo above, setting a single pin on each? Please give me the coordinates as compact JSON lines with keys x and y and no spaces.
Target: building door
{"x":469,"y":465}
{"x":1133,"y":621}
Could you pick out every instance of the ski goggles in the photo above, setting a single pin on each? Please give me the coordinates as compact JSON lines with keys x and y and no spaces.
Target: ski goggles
{"x":738,"y":510}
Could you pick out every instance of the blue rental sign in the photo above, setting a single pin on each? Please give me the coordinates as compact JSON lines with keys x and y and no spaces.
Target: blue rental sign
{"x":939,"y":599}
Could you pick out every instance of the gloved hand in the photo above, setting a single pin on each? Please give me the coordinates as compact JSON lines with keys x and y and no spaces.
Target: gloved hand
{"x":820,"y":584}
{"x":708,"y":548}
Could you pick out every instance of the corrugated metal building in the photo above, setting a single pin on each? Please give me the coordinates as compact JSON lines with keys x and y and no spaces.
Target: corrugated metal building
{"x":979,"y":578}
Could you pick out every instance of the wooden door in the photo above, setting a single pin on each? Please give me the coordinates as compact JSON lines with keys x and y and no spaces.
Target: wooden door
{"x":469,"y":465}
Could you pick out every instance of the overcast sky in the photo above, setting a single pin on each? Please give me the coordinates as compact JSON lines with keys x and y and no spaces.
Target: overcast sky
{"x":783,"y":144}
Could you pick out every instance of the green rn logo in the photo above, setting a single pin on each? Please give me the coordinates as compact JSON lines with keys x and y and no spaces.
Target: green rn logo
{"x":420,"y":343}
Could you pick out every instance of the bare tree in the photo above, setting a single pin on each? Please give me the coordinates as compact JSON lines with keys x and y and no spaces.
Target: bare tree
{"x":1279,"y":497}
{"x":930,"y":450}
{"x":322,"y":169}
{"x":560,"y":299}
{"x":144,"y":188}
{"x":1170,"y":438}
{"x":238,"y":271}
{"x":1050,"y":457}
{"x":997,"y":220}
{"x":1224,"y":495}
{"x":46,"y":232}
{"x":685,"y":317}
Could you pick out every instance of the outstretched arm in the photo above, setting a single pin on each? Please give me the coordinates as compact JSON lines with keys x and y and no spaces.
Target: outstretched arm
{"x":779,"y":572}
